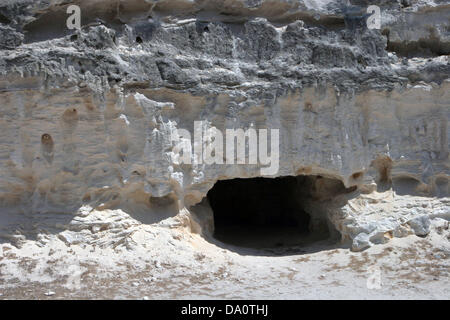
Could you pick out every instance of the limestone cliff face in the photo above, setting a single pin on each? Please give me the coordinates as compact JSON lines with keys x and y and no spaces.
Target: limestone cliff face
{"x":86,"y":116}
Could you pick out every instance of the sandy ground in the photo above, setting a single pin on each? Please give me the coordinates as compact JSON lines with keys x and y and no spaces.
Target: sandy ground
{"x":160,"y":262}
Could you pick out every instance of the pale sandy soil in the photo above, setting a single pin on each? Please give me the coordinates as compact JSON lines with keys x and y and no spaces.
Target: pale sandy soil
{"x":173,"y":264}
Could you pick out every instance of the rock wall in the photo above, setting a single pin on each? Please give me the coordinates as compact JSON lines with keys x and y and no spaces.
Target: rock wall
{"x":87,"y":115}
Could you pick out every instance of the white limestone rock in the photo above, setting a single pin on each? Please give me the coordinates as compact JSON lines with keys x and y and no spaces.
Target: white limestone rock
{"x":87,"y":115}
{"x":420,"y":225}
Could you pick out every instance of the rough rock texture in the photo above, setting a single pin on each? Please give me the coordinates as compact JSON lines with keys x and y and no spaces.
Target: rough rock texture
{"x":87,"y":115}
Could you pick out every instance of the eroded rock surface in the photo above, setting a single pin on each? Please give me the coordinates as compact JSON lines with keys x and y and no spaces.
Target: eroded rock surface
{"x":87,"y":115}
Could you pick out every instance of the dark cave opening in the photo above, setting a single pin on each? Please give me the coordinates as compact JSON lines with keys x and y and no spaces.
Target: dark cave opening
{"x":266,"y":212}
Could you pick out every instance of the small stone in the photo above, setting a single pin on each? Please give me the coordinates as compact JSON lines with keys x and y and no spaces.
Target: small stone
{"x":361,"y":242}
{"x":136,"y":284}
{"x":420,"y":225}
{"x":50,"y":293}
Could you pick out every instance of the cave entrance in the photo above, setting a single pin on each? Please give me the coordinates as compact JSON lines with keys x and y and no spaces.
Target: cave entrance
{"x":267,"y":212}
